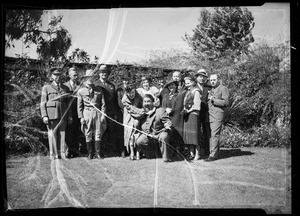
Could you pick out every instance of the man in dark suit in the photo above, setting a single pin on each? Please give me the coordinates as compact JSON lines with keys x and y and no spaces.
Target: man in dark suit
{"x":217,"y":102}
{"x":201,"y":77}
{"x":73,"y":130}
{"x":157,"y":127}
{"x":112,"y":138}
{"x":55,"y":114}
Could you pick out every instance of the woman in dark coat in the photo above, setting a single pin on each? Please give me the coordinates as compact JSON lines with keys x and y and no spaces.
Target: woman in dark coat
{"x":191,"y":110}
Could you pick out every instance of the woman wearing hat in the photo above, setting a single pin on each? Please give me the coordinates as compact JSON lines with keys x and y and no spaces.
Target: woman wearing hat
{"x":133,"y":110}
{"x":191,"y":110}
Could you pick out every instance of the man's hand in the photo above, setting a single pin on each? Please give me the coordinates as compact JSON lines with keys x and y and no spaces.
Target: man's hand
{"x":168,"y":110}
{"x":82,"y":121}
{"x":184,"y":112}
{"x":102,"y":118}
{"x":46,"y":120}
{"x":70,"y":120}
{"x":168,"y":125}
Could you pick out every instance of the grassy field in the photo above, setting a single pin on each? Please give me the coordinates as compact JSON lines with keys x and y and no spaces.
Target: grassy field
{"x":242,"y":178}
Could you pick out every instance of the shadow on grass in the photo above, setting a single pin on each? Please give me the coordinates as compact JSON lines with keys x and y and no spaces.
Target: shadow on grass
{"x":227,"y":153}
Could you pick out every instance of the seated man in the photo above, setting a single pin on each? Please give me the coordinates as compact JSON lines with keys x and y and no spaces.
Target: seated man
{"x":156,"y":126}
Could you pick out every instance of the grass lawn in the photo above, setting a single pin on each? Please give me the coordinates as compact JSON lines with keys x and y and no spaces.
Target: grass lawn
{"x":242,"y":178}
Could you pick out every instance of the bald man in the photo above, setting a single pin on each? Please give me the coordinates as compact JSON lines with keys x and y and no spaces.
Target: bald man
{"x":217,"y":101}
{"x":73,"y":129}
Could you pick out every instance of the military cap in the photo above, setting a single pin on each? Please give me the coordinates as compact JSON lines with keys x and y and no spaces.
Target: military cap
{"x":201,"y":72}
{"x":55,"y":71}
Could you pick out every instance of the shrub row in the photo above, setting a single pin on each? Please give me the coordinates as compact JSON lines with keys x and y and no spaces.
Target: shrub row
{"x":263,"y":136}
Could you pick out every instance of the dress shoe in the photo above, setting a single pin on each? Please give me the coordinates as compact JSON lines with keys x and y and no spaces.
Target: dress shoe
{"x":166,"y":160}
{"x":209,"y":159}
{"x":123,"y":154}
{"x":97,"y":156}
{"x":68,"y":155}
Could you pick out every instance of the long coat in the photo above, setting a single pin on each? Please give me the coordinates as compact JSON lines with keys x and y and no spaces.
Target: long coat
{"x":110,"y":96}
{"x":177,"y":118}
{"x":132,"y":112}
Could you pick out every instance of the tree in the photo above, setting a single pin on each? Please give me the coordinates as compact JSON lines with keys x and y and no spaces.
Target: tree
{"x":225,"y":31}
{"x":79,"y":56}
{"x":52,"y":43}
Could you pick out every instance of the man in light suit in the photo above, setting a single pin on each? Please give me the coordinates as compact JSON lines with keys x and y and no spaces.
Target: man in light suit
{"x":217,"y":102}
{"x":73,"y":129}
{"x":157,"y":125}
{"x":55,"y":114}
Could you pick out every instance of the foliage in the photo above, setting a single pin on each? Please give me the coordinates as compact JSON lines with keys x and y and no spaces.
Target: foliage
{"x":21,"y":23}
{"x":52,"y":43}
{"x":80,"y":56}
{"x":168,"y":58}
{"x":263,"y":136}
{"x":226,"y":31}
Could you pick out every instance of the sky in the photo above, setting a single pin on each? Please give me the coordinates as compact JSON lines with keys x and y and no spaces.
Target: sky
{"x":127,"y":34}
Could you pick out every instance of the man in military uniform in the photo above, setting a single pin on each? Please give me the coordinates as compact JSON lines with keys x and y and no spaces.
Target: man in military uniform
{"x":202,"y":77}
{"x":55,"y":114}
{"x":73,"y":129}
{"x":92,"y":120}
{"x":217,"y":101}
{"x":112,"y":138}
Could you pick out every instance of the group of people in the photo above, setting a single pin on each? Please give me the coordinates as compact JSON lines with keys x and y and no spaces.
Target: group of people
{"x":185,"y":113}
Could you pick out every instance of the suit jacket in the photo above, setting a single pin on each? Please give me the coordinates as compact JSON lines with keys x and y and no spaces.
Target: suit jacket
{"x":85,"y":98}
{"x":218,"y":103}
{"x":154,"y":123}
{"x":110,"y":96}
{"x":73,"y":100}
{"x":52,"y":107}
{"x":204,"y":116}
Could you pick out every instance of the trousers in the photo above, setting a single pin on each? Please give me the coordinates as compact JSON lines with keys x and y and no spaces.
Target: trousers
{"x":93,"y":126}
{"x":216,"y":127}
{"x":57,"y":137}
{"x":163,"y":142}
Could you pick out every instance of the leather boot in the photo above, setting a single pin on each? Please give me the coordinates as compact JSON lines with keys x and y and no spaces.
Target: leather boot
{"x":197,"y":152}
{"x":97,"y":149}
{"x":89,"y":147}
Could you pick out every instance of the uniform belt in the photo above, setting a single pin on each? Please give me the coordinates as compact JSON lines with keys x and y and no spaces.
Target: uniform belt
{"x":89,"y":108}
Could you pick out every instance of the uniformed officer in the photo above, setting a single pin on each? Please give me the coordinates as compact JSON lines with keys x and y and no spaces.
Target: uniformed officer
{"x":92,"y":120}
{"x":55,"y":114}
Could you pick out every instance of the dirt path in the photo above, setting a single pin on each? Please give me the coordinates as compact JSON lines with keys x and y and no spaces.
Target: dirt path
{"x":242,"y":178}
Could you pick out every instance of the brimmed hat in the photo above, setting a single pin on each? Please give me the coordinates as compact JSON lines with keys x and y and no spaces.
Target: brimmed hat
{"x":88,"y":83}
{"x":201,"y":72}
{"x":103,"y":69}
{"x":170,"y":82}
{"x":89,"y":73}
{"x":56,"y":71}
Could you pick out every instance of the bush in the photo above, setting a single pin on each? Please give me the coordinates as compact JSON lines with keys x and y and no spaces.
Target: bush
{"x":263,"y":136}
